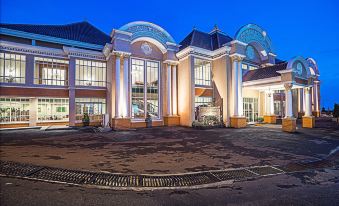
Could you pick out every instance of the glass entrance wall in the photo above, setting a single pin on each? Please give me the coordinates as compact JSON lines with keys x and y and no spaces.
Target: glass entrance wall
{"x":152,"y":78}
{"x":14,"y":110}
{"x":145,"y":88}
{"x":55,"y":109}
{"x":250,"y":108}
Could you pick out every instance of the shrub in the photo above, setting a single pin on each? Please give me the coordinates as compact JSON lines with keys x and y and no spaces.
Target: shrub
{"x":85,"y":119}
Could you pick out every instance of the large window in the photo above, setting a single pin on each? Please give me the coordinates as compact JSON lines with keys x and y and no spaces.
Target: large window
{"x":52,"y":109}
{"x":202,"y":72}
{"x":145,"y":88}
{"x":199,"y":101}
{"x":51,"y":71}
{"x":14,"y":110}
{"x":91,"y":106}
{"x":90,"y":73}
{"x":12,"y":68}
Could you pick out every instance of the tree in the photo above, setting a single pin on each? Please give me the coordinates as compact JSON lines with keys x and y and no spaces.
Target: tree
{"x":323,"y":110}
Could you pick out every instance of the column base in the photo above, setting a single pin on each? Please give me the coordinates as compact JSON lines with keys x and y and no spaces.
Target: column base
{"x":238,"y":122}
{"x":121,"y":123}
{"x":289,"y":124}
{"x":171,"y":120}
{"x":316,"y":113}
{"x":270,"y":119}
{"x":308,"y":121}
{"x":300,"y":114}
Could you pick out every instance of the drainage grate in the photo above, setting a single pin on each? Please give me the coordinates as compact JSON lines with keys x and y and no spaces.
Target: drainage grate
{"x":265,"y":170}
{"x":234,"y":174}
{"x":122,"y":180}
{"x":18,"y":169}
{"x":149,"y":181}
{"x":63,"y":175}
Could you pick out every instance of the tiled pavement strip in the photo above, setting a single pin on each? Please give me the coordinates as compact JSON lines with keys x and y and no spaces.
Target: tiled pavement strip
{"x":150,"y":182}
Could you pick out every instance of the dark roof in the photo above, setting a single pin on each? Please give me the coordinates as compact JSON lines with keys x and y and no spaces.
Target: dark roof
{"x":210,"y":41}
{"x":278,"y":61}
{"x":80,"y":31}
{"x":264,"y":73}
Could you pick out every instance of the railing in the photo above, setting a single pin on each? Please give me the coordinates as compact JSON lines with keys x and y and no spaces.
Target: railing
{"x":11,"y":79}
{"x":54,"y":82}
{"x":90,"y":83}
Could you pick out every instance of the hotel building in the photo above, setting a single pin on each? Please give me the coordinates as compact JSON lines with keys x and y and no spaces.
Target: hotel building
{"x":53,"y":74}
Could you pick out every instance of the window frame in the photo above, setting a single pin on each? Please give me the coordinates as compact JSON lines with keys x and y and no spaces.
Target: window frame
{"x":201,"y":70}
{"x":80,"y":71}
{"x":21,"y":62}
{"x":145,"y":88}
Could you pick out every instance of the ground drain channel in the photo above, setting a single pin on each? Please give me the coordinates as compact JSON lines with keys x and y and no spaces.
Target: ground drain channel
{"x":116,"y":180}
{"x":122,"y":180}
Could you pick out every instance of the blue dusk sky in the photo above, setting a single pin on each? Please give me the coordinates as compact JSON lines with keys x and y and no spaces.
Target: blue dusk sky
{"x":306,"y":28}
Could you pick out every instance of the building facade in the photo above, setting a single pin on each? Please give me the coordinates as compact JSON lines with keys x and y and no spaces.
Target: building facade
{"x":54,"y":74}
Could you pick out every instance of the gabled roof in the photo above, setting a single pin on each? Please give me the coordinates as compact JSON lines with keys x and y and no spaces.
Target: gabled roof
{"x":263,"y":73}
{"x":210,"y":41}
{"x":80,"y":31}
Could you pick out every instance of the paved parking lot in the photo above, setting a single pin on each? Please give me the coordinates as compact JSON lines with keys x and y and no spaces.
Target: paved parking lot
{"x":168,"y":149}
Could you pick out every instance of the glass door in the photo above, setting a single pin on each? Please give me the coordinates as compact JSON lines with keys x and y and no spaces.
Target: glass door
{"x":250,"y":108}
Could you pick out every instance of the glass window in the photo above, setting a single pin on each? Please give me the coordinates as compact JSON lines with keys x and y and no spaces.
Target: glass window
{"x":90,"y":73}
{"x":52,"y":109}
{"x":250,"y":108}
{"x":202,"y":72}
{"x":91,"y":106}
{"x":51,"y":71}
{"x":252,"y":67}
{"x":13,"y":110}
{"x":199,"y":101}
{"x":142,"y":69}
{"x":12,"y":68}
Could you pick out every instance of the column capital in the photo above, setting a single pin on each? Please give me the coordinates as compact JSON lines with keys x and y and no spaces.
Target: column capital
{"x":288,"y":86}
{"x":121,"y":54}
{"x":171,"y":62}
{"x":307,"y":89}
{"x":237,"y":57}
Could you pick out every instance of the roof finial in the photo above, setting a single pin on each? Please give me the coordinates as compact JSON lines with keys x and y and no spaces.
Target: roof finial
{"x":194,"y":27}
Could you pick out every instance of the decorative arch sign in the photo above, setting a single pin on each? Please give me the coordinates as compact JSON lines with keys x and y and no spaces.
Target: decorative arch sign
{"x":253,"y":33}
{"x":146,"y":29}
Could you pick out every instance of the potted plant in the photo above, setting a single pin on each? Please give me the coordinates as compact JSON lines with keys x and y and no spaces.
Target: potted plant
{"x":148,"y":120}
{"x":85,"y":120}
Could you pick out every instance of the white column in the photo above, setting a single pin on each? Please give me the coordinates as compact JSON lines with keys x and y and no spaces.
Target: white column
{"x":169,"y":90}
{"x":174,"y":90}
{"x":269,"y":103}
{"x":308,"y":102}
{"x":125,"y":104}
{"x":316,"y":97}
{"x":235,"y":87}
{"x":288,"y":100}
{"x":240,"y":99}
{"x":117,"y":86}
{"x":301,"y":100}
